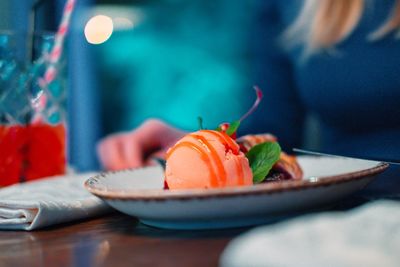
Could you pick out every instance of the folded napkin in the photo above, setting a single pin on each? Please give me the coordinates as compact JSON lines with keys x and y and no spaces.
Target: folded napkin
{"x":48,"y":201}
{"x":366,"y":236}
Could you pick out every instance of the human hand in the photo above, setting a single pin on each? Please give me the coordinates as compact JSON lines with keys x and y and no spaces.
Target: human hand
{"x":137,"y":147}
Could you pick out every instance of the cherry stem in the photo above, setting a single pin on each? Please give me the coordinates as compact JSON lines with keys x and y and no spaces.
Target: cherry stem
{"x":255,"y":105}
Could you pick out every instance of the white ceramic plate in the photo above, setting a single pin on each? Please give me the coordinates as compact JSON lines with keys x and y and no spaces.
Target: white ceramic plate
{"x":139,"y":193}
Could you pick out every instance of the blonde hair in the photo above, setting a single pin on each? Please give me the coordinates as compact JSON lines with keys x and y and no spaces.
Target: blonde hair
{"x":321,"y":24}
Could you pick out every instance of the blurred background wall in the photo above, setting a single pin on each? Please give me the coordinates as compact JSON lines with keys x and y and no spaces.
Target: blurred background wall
{"x":183,"y":58}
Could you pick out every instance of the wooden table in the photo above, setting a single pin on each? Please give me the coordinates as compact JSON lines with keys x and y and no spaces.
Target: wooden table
{"x":120,"y":240}
{"x":113,"y":240}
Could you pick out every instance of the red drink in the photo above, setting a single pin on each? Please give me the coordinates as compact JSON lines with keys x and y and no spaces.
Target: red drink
{"x":13,"y":141}
{"x":31,"y":152}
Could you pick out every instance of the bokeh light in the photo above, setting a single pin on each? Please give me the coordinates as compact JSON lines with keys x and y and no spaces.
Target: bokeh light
{"x":99,"y":29}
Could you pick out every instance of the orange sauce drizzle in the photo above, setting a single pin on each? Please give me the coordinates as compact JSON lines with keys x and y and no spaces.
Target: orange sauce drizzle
{"x":229,"y":143}
{"x":204,"y":157}
{"x":226,"y":140}
{"x":239,"y":170}
{"x":214,"y":155}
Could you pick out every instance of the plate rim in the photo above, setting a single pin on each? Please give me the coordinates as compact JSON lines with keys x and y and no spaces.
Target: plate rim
{"x":189,"y":194}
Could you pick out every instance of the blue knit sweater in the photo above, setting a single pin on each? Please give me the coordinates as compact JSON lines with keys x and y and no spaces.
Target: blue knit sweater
{"x":354,"y":92}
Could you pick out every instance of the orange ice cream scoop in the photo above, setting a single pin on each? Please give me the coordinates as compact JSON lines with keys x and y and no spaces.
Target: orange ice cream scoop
{"x":206,"y":159}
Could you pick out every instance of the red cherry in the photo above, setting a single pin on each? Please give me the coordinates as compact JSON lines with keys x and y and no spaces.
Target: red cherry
{"x":224,"y":127}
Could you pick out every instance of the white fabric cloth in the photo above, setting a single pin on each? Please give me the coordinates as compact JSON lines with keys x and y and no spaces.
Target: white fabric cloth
{"x":48,"y":201}
{"x":366,"y":236}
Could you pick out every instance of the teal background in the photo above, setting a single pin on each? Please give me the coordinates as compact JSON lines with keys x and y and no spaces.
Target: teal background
{"x":186,"y":59}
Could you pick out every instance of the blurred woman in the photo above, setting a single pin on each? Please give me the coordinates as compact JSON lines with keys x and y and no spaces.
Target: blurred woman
{"x":338,"y":60}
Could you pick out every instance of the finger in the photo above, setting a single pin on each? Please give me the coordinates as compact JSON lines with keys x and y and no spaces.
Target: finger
{"x":132,"y":151}
{"x":101,"y":153}
{"x":151,"y":162}
{"x":110,"y":153}
{"x":149,"y":135}
{"x":154,"y":134}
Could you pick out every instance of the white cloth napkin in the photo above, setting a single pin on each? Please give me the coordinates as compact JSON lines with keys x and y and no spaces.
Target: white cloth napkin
{"x":48,"y":201}
{"x":366,"y":236}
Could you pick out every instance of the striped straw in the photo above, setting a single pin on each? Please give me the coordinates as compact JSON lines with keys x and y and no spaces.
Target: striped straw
{"x":59,"y":41}
{"x":54,"y":57}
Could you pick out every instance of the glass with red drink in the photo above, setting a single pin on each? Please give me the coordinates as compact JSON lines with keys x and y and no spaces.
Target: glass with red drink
{"x":32,"y":113}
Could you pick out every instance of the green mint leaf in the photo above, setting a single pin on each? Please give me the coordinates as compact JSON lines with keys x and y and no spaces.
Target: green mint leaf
{"x":261,"y":158}
{"x":218,"y":129}
{"x":233,"y":127}
{"x":200,"y":122}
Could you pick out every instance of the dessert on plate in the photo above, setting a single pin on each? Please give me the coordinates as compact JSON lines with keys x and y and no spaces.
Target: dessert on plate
{"x":216,"y":158}
{"x":207,"y":159}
